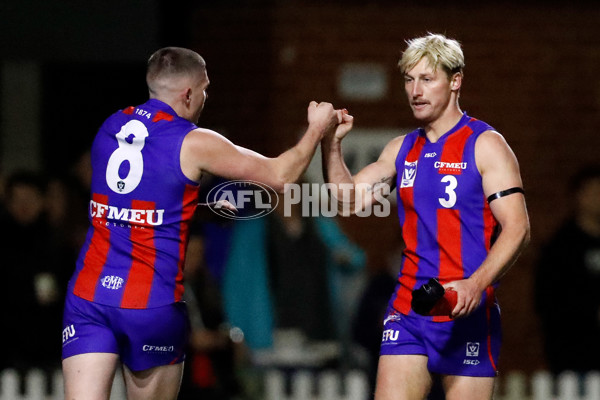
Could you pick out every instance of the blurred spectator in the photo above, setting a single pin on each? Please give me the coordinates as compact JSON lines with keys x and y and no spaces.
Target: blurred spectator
{"x":567,"y":297}
{"x":246,"y":290}
{"x":31,"y":297}
{"x":68,"y":203}
{"x":292,"y":272}
{"x":216,"y":350}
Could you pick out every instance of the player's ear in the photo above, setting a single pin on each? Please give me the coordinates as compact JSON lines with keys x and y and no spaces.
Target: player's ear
{"x":188,"y":96}
{"x":456,"y":81}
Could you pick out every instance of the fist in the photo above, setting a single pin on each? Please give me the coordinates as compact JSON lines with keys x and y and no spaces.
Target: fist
{"x":322,"y":115}
{"x":345,"y":124}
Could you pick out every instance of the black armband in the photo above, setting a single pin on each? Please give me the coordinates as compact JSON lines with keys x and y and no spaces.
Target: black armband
{"x":504,"y":193}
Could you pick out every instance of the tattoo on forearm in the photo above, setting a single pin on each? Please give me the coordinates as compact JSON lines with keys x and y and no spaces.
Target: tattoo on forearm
{"x":379,"y":184}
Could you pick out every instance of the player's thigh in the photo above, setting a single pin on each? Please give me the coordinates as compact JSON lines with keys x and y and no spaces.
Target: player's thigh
{"x":157,"y":383}
{"x":402,"y":377}
{"x":468,"y":387}
{"x":89,"y":376}
{"x":155,"y":337}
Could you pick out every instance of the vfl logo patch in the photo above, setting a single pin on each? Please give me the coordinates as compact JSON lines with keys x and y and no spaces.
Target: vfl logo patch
{"x":409,"y":174}
{"x":472,"y":349}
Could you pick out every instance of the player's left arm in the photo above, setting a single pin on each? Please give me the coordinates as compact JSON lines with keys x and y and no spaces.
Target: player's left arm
{"x":499,"y":171}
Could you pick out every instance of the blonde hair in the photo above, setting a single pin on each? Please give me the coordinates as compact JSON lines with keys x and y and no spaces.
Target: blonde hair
{"x":439,"y":50}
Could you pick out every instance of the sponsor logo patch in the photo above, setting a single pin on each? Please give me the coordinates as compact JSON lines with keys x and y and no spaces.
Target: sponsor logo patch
{"x":112,"y":282}
{"x":68,"y":334}
{"x":157,"y":349}
{"x":450,"y":168}
{"x":390,"y":335}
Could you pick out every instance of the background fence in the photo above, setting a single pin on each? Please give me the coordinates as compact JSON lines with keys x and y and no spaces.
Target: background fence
{"x":328,"y":385}
{"x":39,"y":385}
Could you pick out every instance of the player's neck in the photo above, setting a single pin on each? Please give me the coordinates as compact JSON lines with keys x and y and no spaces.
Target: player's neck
{"x":437,"y":128}
{"x":177,"y":106}
{"x":174,"y":102}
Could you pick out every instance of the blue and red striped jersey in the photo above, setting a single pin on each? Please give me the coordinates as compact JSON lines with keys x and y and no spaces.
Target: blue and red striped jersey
{"x":140,"y":210}
{"x":446,"y":222}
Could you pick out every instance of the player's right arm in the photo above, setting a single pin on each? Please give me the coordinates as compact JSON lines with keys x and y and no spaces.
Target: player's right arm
{"x":358,"y":192}
{"x":204,"y":150}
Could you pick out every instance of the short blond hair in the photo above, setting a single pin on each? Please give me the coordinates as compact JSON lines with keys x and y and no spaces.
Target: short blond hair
{"x":439,"y":50}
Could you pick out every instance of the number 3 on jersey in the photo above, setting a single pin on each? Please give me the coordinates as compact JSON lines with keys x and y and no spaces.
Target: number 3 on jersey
{"x":451,"y":184}
{"x":131,"y":139}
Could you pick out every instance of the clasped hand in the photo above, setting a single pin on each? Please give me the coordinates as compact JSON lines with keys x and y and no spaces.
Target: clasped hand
{"x":331,"y":122}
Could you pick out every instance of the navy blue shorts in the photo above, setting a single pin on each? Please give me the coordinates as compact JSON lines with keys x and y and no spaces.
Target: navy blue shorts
{"x":467,"y":346}
{"x":143,"y":338}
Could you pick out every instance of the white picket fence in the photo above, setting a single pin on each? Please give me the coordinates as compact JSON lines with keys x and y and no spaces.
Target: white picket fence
{"x":543,"y":386}
{"x":36,"y":384}
{"x":329,"y":385}
{"x":305,"y":385}
{"x":514,"y":386}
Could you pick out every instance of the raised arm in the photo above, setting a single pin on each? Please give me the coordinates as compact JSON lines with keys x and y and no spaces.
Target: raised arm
{"x":204,"y":150}
{"x":499,"y":171}
{"x":356,"y":193}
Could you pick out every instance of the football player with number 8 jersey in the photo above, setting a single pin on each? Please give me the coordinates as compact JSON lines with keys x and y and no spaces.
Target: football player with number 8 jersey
{"x":124,"y":304}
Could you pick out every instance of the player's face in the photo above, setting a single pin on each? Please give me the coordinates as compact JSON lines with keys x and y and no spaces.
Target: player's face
{"x":199,"y":96}
{"x":428,"y":90}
